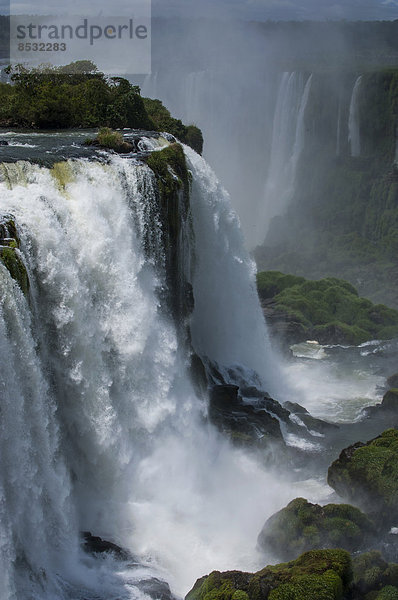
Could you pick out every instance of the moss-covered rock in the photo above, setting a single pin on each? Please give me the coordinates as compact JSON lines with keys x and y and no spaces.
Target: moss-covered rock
{"x":367,"y":474}
{"x":111,"y":140}
{"x":10,"y":255}
{"x":328,"y":310}
{"x":371,"y":574}
{"x":173,"y":195}
{"x":316,"y":575}
{"x":302,"y":526}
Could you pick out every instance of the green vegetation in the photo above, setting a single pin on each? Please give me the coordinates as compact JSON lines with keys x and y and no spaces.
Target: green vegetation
{"x":10,"y":255}
{"x":368,"y":474}
{"x":302,"y":526}
{"x":110,"y":140}
{"x":316,"y":575}
{"x":190,"y":135}
{"x":78,"y":95}
{"x":328,"y":310}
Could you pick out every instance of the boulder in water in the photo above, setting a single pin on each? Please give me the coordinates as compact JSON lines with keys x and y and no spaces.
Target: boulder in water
{"x":156,"y":589}
{"x":96,"y":545}
{"x":302,"y":526}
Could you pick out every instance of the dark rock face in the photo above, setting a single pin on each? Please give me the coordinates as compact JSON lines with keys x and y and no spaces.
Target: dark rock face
{"x":388,"y":407}
{"x":392,"y":381}
{"x":243,"y":423}
{"x":302,"y":526}
{"x":296,"y":409}
{"x":96,"y":545}
{"x":255,"y":421}
{"x":156,"y":589}
{"x":367,"y":474}
{"x":283,"y":326}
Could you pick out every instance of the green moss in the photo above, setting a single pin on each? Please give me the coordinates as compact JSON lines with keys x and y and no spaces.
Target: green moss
{"x":173,"y":192}
{"x":322,"y":587}
{"x":316,"y":575}
{"x":161,"y":161}
{"x":369,"y":474}
{"x":302,"y":526}
{"x":111,"y":140}
{"x":13,"y":262}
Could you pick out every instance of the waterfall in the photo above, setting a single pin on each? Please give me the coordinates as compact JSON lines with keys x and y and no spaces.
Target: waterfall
{"x":396,"y":147}
{"x":354,"y":132}
{"x":288,"y":141}
{"x":338,"y":132}
{"x":299,"y":141}
{"x":100,"y":428}
{"x":224,"y":311}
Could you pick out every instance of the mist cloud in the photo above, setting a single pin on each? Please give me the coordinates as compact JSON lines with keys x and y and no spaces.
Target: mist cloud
{"x":242,"y":9}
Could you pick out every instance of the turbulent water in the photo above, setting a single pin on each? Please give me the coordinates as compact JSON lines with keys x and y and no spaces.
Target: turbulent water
{"x":101,"y":429}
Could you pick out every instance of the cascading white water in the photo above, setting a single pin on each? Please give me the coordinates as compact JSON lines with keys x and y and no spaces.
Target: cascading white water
{"x":101,"y":429}
{"x":288,"y":140}
{"x":228,"y":325}
{"x":354,"y":132}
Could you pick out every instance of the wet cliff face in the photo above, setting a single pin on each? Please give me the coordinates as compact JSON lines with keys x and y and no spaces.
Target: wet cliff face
{"x":342,"y":219}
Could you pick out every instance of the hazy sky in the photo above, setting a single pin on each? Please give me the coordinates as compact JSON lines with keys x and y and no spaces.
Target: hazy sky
{"x":247,"y":9}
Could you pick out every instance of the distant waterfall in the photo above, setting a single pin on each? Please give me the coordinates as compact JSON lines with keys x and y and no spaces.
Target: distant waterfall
{"x":354,"y":133}
{"x":195,"y":86}
{"x":100,"y":426}
{"x":338,"y":131}
{"x":300,"y":128}
{"x":396,"y":146}
{"x":288,"y":141}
